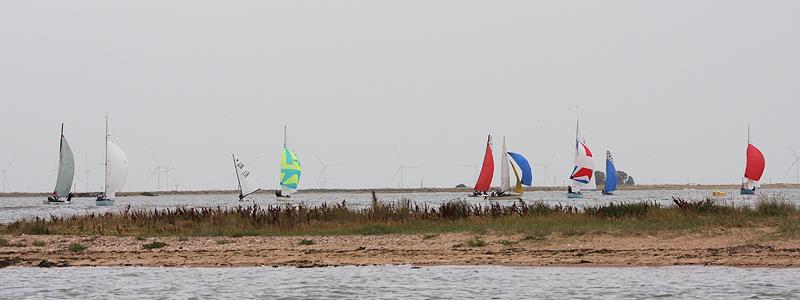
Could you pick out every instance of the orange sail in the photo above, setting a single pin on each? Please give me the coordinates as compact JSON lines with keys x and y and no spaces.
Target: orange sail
{"x":487,"y":171}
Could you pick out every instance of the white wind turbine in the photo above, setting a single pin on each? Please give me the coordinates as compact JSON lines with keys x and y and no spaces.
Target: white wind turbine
{"x":5,"y":178}
{"x":401,"y":170}
{"x":322,"y":181}
{"x":545,"y":166}
{"x":795,"y":165}
{"x":158,"y":170}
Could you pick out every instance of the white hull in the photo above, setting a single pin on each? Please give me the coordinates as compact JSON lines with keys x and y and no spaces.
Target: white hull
{"x":505,"y":197}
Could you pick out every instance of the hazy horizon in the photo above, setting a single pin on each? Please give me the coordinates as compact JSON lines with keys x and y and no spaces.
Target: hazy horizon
{"x":668,"y":87}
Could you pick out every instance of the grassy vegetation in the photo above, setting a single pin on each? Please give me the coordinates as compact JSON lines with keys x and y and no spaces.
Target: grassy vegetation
{"x":39,"y":243}
{"x":535,"y":220}
{"x":76,"y":247}
{"x":306,"y":242}
{"x":476,"y":242}
{"x":154,"y":245}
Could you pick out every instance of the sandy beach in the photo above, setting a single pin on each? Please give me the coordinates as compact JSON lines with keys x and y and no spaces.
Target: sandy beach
{"x":728,"y":247}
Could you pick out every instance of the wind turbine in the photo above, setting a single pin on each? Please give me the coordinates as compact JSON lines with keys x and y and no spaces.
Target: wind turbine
{"x":3,"y":172}
{"x":322,"y":181}
{"x":545,"y":166}
{"x":401,"y":169}
{"x":795,"y":165}
{"x":158,"y":170}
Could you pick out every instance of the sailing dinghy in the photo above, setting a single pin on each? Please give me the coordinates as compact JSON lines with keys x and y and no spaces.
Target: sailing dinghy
{"x":754,"y":169}
{"x":611,"y":175}
{"x":582,"y":172}
{"x":290,"y":171}
{"x":116,"y":165}
{"x":247,"y":184}
{"x":66,"y":173}
{"x":505,"y":192}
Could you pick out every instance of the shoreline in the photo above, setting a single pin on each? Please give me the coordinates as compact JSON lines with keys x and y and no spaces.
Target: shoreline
{"x":735,"y":247}
{"x":657,"y":187}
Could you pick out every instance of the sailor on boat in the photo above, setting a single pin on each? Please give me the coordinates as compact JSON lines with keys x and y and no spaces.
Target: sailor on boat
{"x":54,"y":198}
{"x":279,"y":194}
{"x":569,"y":191}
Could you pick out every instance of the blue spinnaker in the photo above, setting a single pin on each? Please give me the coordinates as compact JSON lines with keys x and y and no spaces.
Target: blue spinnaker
{"x":524,"y":166}
{"x":611,"y":175}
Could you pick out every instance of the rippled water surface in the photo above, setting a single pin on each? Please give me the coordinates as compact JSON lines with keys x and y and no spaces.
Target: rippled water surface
{"x":393,"y":282}
{"x":28,"y":207}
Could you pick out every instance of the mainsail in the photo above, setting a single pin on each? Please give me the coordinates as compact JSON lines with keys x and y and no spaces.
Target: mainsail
{"x":487,"y":170}
{"x":290,"y":169}
{"x":611,"y":173}
{"x":66,"y":168}
{"x":505,"y":179}
{"x":582,"y":172}
{"x":247,"y":184}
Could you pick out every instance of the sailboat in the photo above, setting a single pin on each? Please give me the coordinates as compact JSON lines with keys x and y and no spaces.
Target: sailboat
{"x":290,"y":171}
{"x":505,"y":191}
{"x":611,"y":175}
{"x":582,"y":172}
{"x":487,"y":171}
{"x":66,"y":173}
{"x":754,"y":169}
{"x":247,"y":184}
{"x":116,"y":167}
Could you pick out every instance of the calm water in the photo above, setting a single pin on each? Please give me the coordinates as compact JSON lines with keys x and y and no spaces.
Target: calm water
{"x":27,"y":207}
{"x":393,"y":282}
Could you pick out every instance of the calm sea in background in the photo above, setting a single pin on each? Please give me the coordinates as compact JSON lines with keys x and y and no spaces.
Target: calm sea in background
{"x":406,"y":282}
{"x":12,"y":208}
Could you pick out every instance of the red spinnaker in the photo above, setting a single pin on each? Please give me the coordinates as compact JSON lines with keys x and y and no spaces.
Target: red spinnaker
{"x":755,"y":163}
{"x":487,"y":171}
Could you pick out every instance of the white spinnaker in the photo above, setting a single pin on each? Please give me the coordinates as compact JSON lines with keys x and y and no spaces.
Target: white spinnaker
{"x":116,"y":171}
{"x":247,"y":183}
{"x":583,"y":160}
{"x":66,"y":169}
{"x":505,"y":179}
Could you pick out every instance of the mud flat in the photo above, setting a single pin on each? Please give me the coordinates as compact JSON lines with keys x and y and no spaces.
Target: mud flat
{"x":725,"y":247}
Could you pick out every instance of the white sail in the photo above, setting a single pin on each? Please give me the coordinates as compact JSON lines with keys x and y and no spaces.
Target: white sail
{"x":116,"y":169}
{"x":247,"y":183}
{"x":505,"y":179}
{"x":66,"y":169}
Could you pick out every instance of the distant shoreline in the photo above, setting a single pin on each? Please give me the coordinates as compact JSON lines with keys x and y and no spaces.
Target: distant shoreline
{"x":412,"y":190}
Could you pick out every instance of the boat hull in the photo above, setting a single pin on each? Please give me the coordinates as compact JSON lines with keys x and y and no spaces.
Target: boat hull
{"x":747,"y":192}
{"x":56,"y":202}
{"x":104,"y":202}
{"x":574,"y":195}
{"x":506,"y":197}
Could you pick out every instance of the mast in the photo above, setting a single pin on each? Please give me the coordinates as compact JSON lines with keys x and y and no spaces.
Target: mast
{"x":105,"y":183}
{"x":748,"y":134}
{"x":284,"y":136}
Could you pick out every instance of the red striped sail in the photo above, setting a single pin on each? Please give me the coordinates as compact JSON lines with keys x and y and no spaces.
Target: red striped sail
{"x":487,"y":171}
{"x":755,"y":163}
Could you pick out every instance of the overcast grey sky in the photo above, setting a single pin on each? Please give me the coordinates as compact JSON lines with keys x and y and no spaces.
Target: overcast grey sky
{"x":668,"y":86}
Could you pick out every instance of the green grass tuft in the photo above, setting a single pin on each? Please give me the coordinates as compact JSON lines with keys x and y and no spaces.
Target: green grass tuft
{"x":306,"y":242}
{"x":76,"y":247}
{"x":154,"y":245}
{"x":39,"y":243}
{"x":476,"y":242}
